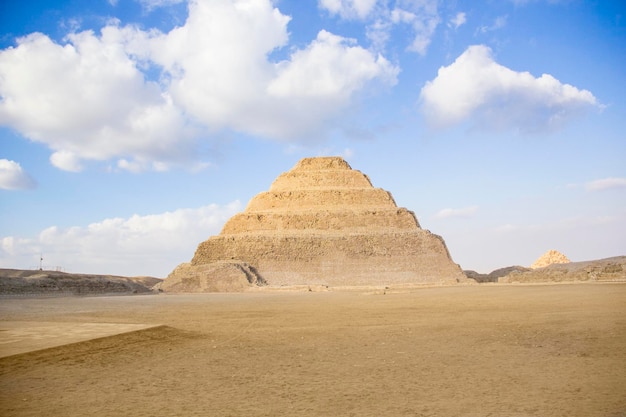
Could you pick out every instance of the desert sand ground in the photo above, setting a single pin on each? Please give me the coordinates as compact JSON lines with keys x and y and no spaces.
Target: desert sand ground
{"x":489,"y":350}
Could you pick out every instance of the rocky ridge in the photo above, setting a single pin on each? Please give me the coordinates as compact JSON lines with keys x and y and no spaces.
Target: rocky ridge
{"x":602,"y":270}
{"x":36,"y":282}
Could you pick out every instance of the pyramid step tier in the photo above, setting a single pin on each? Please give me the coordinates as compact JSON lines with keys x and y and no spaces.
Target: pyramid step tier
{"x":373,"y":198}
{"x":342,"y":219}
{"x":303,"y":245}
{"x":322,"y":163}
{"x":322,"y":179}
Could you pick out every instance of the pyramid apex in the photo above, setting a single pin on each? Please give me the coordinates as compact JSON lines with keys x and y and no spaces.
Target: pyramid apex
{"x":321,"y":163}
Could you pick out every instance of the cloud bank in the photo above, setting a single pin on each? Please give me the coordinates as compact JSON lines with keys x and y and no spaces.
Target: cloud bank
{"x":492,"y":97}
{"x":139,"y":245}
{"x":96,"y":96}
{"x":13,"y":177}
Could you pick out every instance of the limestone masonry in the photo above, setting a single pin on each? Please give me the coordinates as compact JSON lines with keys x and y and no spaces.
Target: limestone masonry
{"x":322,"y":223}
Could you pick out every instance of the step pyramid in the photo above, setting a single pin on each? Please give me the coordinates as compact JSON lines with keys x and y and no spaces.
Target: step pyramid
{"x":550,"y":257}
{"x":321,"y":223}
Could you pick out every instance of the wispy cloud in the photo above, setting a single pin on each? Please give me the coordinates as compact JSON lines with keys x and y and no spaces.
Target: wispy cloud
{"x":422,"y":17}
{"x":349,"y":9}
{"x":13,"y":176}
{"x":464,"y":212}
{"x":457,"y":21}
{"x":498,"y":23}
{"x":153,"y":4}
{"x":525,"y":2}
{"x":606,"y":184}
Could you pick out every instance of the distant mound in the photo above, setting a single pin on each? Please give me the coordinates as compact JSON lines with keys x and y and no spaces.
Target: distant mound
{"x":33,"y":282}
{"x":607,"y":270}
{"x":549,"y":258}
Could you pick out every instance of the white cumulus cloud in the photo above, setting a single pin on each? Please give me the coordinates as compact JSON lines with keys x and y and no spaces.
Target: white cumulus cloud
{"x":464,"y":212}
{"x":606,"y":184}
{"x":13,"y":176}
{"x":91,"y":98}
{"x":317,"y":82}
{"x":86,"y":100}
{"x":67,"y":161}
{"x":138,"y":245}
{"x":235,"y":86}
{"x":490,"y":96}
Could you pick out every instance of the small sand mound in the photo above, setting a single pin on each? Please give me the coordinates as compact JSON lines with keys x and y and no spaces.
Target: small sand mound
{"x":28,"y":336}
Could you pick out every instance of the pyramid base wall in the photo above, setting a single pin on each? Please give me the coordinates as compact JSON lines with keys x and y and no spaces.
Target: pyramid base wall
{"x":344,"y":272}
{"x":416,"y":257}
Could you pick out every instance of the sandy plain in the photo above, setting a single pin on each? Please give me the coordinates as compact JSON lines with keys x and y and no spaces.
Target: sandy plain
{"x":482,"y":350}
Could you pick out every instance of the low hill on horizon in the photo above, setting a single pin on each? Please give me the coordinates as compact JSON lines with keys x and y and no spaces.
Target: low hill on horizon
{"x":19,"y":282}
{"x":42,"y":282}
{"x":607,"y":269}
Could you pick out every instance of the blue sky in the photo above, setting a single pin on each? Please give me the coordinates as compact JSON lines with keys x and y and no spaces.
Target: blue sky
{"x":131,"y":130}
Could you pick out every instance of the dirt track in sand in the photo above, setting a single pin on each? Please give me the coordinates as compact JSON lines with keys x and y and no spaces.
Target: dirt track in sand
{"x":492,"y":350}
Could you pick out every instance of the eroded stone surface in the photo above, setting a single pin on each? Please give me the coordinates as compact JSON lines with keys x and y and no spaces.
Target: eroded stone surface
{"x":219,"y":276}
